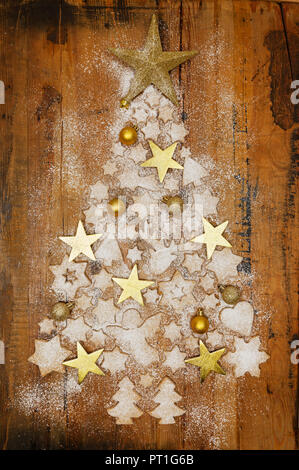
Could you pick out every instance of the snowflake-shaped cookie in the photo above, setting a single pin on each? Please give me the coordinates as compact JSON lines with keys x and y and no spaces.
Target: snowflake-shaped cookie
{"x":247,"y":357}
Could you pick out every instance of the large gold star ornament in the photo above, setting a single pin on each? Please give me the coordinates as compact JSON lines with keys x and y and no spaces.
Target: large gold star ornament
{"x":152,"y":65}
{"x":162,"y":159}
{"x":85,"y":363}
{"x":212,"y":236}
{"x":207,"y":361}
{"x":81,"y":243}
{"x":132,"y":286}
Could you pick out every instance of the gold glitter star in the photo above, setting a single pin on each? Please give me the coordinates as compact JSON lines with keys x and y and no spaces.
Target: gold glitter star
{"x":81,"y":242}
{"x":162,"y":159}
{"x":212,"y":236}
{"x":207,"y":361}
{"x":132,"y":286}
{"x":152,"y":65}
{"x":85,"y":362}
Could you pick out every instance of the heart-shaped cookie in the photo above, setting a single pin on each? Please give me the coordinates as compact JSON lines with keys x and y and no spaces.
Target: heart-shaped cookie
{"x":238,"y":318}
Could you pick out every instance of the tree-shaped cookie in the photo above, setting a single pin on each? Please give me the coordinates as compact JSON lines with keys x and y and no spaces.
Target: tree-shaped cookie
{"x":126,"y":409}
{"x":166,"y":399}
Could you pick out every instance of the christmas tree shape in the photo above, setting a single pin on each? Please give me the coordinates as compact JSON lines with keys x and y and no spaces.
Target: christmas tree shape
{"x":160,"y":243}
{"x":126,"y":397}
{"x":166,"y":399}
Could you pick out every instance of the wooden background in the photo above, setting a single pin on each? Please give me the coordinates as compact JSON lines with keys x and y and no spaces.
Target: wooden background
{"x":41,"y":43}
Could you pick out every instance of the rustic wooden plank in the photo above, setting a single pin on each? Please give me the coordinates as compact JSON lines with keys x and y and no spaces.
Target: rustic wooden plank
{"x":208,"y":28}
{"x":264,"y":163}
{"x":6,"y":285}
{"x":290,"y":14}
{"x":14,"y":178}
{"x":35,"y":104}
{"x":140,"y":3}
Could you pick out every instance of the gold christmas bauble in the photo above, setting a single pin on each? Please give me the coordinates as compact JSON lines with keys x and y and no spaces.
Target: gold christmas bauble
{"x":174,"y":203}
{"x":230,"y":294}
{"x":124,"y":103}
{"x":128,"y":135}
{"x":199,"y":324}
{"x":116,"y":206}
{"x":62,"y":310}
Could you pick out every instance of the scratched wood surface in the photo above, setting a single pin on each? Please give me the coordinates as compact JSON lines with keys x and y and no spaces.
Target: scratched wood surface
{"x":40,"y":44}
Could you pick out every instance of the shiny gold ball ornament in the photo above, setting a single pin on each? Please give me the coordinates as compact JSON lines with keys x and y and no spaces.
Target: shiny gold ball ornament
{"x":128,"y":135}
{"x":124,"y":103}
{"x":174,"y":203}
{"x":116,"y":207}
{"x":61,"y":310}
{"x":199,"y":324}
{"x":230,"y":294}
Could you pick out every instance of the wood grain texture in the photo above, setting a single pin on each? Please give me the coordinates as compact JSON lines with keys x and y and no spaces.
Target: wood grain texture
{"x":42,"y":45}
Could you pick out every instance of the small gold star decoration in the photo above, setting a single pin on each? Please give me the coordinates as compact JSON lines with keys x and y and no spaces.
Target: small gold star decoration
{"x":152,"y":65}
{"x":132,"y":286}
{"x":207,"y":361}
{"x":81,"y":243}
{"x":212,"y":236}
{"x":162,"y":159}
{"x":85,"y":362}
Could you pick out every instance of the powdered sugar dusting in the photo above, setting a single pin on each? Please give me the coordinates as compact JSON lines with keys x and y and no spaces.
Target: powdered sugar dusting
{"x":146,"y":346}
